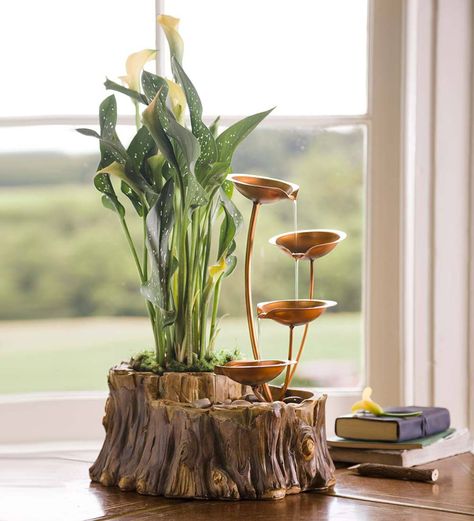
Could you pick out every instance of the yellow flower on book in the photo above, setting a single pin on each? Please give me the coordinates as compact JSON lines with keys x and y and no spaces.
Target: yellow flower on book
{"x":367,"y":404}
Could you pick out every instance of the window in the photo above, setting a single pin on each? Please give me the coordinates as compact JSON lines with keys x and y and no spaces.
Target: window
{"x":62,"y":308}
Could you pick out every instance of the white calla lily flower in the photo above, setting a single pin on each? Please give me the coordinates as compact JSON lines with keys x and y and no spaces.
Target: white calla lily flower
{"x":170,"y":24}
{"x":134,"y":66}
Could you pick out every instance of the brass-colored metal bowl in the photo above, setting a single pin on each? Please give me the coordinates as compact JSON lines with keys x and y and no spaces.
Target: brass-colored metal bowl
{"x":308,"y":244}
{"x":252,"y":372}
{"x":264,"y":190}
{"x":293,"y":312}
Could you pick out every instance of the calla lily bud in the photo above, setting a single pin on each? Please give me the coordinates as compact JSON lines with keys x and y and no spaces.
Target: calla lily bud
{"x":177,"y":99}
{"x":170,"y":25}
{"x":118,"y":170}
{"x":216,"y":270}
{"x":115,"y":169}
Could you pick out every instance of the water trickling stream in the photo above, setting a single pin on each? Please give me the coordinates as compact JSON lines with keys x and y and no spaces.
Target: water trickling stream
{"x":295,"y":228}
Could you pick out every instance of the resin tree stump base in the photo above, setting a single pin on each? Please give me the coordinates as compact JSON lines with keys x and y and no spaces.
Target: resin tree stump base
{"x":190,"y":435}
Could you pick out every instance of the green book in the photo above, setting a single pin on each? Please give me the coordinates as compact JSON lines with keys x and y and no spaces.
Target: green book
{"x":336,"y":441}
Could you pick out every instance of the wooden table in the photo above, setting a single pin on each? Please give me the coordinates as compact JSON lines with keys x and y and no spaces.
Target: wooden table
{"x":54,"y":486}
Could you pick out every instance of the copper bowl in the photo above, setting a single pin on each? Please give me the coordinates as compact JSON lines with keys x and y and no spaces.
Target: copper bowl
{"x":293,"y":312}
{"x":253,"y":372}
{"x":264,"y":190}
{"x":308,"y":244}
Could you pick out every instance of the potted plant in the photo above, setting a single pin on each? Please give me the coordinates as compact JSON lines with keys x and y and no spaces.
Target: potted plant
{"x":173,"y":427}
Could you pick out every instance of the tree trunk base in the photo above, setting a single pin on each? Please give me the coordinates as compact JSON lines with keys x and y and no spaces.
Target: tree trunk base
{"x":164,"y":438}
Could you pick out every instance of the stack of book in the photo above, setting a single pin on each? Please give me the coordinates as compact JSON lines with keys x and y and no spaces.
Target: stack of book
{"x":408,"y":441}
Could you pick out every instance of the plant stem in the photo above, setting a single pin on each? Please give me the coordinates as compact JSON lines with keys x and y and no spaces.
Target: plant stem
{"x":138,"y":118}
{"x":215,"y":305}
{"x":207,"y":240}
{"x":189,"y":298}
{"x":132,"y":248}
{"x":143,"y":278}
{"x":145,"y":251}
{"x":159,"y":339}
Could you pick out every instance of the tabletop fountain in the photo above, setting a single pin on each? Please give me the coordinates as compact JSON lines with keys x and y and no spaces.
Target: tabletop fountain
{"x":179,"y":421}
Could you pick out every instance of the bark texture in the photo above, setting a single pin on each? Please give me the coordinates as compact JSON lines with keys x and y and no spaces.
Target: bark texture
{"x":161,"y":439}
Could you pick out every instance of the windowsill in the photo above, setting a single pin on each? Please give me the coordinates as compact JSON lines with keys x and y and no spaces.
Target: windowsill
{"x":66,"y":417}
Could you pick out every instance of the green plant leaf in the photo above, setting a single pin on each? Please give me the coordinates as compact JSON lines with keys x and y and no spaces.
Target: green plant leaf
{"x":153,"y":119}
{"x":231,"y":209}
{"x":188,"y":144}
{"x":109,"y":198}
{"x":159,"y":223}
{"x":231,"y":262}
{"x":189,"y":151}
{"x":232,"y":248}
{"x":228,"y":187}
{"x":228,"y":141}
{"x":214,"y":127}
{"x":195,"y":194}
{"x":133,"y":197}
{"x":226,"y":234}
{"x":133,"y":94}
{"x":141,"y":147}
{"x":214,"y":175}
{"x":230,"y":225}
{"x":88,"y":132}
{"x":152,"y":84}
{"x":111,"y":149}
{"x":200,"y":131}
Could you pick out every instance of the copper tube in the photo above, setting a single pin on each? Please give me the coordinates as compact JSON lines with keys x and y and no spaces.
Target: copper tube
{"x":248,"y":291}
{"x":288,"y":369}
{"x":248,"y":280}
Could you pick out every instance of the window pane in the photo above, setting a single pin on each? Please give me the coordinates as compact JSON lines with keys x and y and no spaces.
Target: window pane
{"x":69,"y":298}
{"x":56,"y":55}
{"x":328,"y":164}
{"x":307,"y":57}
{"x":64,"y":267}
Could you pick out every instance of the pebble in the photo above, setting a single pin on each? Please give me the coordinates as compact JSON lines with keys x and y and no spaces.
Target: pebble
{"x":292,"y":399}
{"x":250,"y":398}
{"x":241,"y":403}
{"x":203,"y":403}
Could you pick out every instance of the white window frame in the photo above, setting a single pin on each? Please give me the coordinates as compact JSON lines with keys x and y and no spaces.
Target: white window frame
{"x":438,"y":285}
{"x":397,"y":205}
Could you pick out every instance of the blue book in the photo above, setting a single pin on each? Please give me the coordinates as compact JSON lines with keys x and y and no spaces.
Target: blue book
{"x":366,"y":426}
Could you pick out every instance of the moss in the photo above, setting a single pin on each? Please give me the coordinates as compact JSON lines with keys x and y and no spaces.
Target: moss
{"x":146,"y":361}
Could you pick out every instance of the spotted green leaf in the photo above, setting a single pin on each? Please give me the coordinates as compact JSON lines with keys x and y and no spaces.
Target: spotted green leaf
{"x":133,"y":94}
{"x":159,"y":223}
{"x":200,"y":130}
{"x":228,"y":141}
